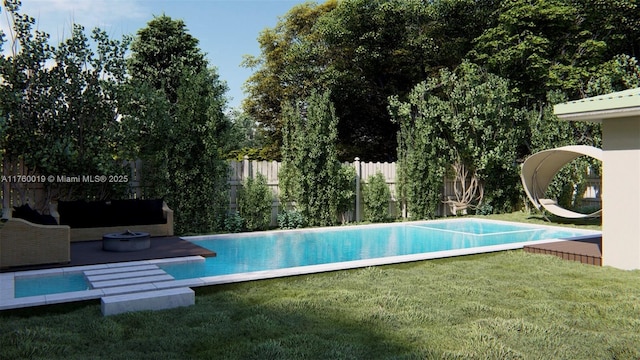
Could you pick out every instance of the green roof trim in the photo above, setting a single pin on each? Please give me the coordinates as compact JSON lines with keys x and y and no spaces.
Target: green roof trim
{"x":605,"y":103}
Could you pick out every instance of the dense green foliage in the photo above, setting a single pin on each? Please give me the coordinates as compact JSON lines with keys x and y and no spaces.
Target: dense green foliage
{"x":556,"y":44}
{"x":366,"y":52}
{"x":310,"y":173}
{"x":59,"y":106}
{"x":181,"y":148}
{"x":255,"y":200}
{"x":346,"y":190}
{"x":161,"y":52}
{"x":90,"y":109}
{"x":291,"y":219}
{"x":375,"y":197}
{"x":363,"y":51}
{"x":234,"y":223}
{"x":465,"y":116}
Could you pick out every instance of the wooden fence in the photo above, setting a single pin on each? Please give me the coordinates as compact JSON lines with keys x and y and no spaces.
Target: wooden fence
{"x":20,"y":192}
{"x":242,"y":170}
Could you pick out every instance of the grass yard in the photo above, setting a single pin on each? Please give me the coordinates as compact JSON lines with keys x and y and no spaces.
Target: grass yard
{"x":507,"y":305}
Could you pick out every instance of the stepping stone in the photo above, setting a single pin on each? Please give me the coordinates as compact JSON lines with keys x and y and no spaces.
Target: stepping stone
{"x":131,"y":281}
{"x":148,"y":300}
{"x":126,"y":275}
{"x":115,"y":270}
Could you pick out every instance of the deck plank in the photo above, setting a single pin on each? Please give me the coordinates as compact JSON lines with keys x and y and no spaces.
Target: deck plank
{"x":586,"y":251}
{"x":90,"y":253}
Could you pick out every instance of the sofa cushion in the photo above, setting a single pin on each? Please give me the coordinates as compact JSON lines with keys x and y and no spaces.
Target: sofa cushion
{"x":151,"y":212}
{"x":82,"y":214}
{"x":25,"y":212}
{"x":97,"y":214}
{"x":73,"y":213}
{"x":122,"y":212}
{"x":137,"y":212}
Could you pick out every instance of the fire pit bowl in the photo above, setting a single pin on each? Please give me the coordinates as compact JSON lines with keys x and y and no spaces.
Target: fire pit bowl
{"x":126,"y":241}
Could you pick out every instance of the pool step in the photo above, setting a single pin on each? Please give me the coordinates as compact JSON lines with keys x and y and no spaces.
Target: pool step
{"x":148,"y":300}
{"x":120,"y":269}
{"x":126,"y":276}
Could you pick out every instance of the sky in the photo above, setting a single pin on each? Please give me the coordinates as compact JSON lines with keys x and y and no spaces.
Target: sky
{"x":226,"y":29}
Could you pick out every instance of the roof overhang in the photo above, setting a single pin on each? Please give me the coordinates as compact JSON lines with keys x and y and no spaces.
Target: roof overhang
{"x":621,"y":104}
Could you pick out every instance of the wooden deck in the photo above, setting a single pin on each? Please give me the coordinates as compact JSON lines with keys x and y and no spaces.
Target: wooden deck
{"x":586,"y":251}
{"x":90,"y":253}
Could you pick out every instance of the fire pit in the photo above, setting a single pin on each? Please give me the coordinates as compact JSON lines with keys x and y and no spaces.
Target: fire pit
{"x":126,"y":241}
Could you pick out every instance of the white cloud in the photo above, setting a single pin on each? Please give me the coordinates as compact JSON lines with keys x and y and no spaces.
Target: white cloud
{"x":56,"y":17}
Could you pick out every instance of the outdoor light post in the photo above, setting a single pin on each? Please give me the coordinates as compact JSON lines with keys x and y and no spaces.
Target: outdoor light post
{"x":619,"y":114}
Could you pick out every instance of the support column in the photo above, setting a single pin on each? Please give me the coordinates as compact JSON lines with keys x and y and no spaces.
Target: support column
{"x":621,"y":192}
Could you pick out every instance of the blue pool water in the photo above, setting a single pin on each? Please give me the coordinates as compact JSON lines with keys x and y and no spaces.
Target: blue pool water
{"x":43,"y":285}
{"x":287,"y":249}
{"x":250,"y":252}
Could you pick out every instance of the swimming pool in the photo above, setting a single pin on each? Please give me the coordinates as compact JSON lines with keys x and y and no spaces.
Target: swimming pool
{"x":260,"y":255}
{"x":347,"y":247}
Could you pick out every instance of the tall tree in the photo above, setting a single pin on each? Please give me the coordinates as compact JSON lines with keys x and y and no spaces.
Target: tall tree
{"x":61,"y":105}
{"x":311,"y":169}
{"x":467,"y":117}
{"x":277,"y":78}
{"x":183,"y":152}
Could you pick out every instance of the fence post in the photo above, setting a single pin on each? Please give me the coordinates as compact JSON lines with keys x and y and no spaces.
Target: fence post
{"x":356,"y":164}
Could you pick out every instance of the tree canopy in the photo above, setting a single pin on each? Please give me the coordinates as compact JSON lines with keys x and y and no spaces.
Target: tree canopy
{"x":74,"y":110}
{"x":366,"y":51}
{"x":160,"y":53}
{"x":363,"y":52}
{"x":60,"y":105}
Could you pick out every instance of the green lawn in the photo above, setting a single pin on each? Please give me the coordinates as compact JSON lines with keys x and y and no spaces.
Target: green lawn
{"x":507,"y":305}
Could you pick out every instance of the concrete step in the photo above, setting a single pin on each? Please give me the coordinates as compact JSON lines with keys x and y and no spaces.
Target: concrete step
{"x":122,"y":269}
{"x":126,"y":275}
{"x":148,"y":300}
{"x":131,"y":281}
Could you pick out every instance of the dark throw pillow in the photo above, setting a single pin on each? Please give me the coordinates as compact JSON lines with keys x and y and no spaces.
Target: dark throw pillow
{"x":25,"y":212}
{"x":73,"y":213}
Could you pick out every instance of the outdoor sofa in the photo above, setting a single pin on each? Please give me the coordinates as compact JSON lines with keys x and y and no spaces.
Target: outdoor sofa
{"x":24,"y":243}
{"x":30,"y":238}
{"x":91,"y":220}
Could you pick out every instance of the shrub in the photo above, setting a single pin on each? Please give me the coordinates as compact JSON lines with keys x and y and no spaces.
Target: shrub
{"x":234,"y":223}
{"x":376,"y":195}
{"x":484,"y":209}
{"x":291,"y":219}
{"x":254,"y":202}
{"x":346,"y":190}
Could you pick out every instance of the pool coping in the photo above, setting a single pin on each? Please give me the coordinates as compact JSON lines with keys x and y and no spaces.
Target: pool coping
{"x":7,"y":280}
